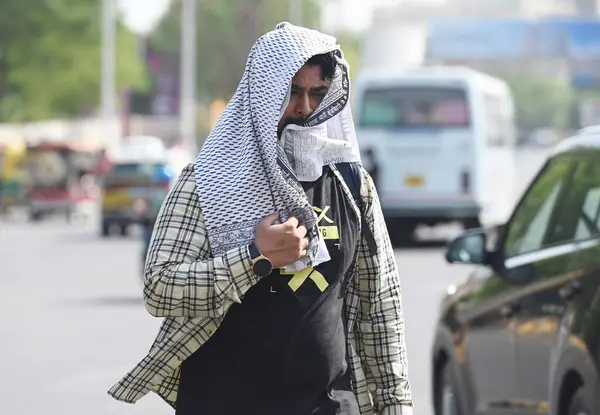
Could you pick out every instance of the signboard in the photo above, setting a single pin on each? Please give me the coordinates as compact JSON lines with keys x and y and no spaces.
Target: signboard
{"x":577,"y":41}
{"x":477,"y":39}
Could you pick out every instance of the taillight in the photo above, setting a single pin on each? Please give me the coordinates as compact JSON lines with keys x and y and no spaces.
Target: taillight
{"x":465,"y":182}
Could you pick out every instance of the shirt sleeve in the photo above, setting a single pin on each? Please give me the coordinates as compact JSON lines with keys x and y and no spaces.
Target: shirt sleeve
{"x":380,"y":318}
{"x":181,"y":278}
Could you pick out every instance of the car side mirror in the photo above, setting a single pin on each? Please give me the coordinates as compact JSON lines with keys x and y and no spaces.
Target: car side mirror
{"x":468,"y":248}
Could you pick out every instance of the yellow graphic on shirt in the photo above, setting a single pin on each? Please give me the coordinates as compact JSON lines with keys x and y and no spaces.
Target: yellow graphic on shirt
{"x":300,"y":277}
{"x":328,"y":231}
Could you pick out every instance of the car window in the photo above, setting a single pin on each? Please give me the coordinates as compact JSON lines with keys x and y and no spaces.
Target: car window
{"x":529,"y":224}
{"x":580,"y":214}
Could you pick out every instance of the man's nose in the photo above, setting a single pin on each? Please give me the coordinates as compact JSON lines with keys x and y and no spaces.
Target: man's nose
{"x":304,"y":109}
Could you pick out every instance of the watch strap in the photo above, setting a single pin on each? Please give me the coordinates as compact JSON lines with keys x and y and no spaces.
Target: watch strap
{"x":254,"y":252}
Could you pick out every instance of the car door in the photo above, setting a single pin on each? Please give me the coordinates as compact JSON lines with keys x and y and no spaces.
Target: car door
{"x":492,"y":333}
{"x":484,"y":334}
{"x":557,"y":275}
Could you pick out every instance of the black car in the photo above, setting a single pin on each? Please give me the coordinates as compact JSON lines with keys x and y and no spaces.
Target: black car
{"x":522,"y":334}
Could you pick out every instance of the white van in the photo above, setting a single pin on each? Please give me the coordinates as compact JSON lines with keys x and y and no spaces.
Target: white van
{"x":443,"y":139}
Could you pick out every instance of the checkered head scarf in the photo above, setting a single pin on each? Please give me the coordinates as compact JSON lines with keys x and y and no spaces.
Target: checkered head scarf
{"x":244,"y":173}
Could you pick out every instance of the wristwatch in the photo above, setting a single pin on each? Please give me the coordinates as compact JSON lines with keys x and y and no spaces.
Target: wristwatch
{"x":260,"y":263}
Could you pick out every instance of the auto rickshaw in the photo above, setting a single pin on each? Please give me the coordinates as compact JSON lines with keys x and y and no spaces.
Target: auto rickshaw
{"x":13,"y":177}
{"x":56,"y":169}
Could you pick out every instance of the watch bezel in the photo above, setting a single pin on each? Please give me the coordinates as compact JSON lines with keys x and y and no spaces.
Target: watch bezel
{"x":262,"y":266}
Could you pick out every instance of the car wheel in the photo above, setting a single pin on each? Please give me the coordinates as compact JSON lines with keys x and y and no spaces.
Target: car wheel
{"x":447,"y":398}
{"x":124,"y":230}
{"x":35,"y":216}
{"x":579,"y":404}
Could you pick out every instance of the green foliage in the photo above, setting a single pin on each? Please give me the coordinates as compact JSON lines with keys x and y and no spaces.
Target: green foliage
{"x":542,"y":102}
{"x":50,"y":58}
{"x":351,"y":45}
{"x":226,"y":30}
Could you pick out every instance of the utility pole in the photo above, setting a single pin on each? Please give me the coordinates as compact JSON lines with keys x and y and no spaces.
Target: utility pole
{"x":187,"y":107}
{"x":108,"y":87}
{"x":295,"y":12}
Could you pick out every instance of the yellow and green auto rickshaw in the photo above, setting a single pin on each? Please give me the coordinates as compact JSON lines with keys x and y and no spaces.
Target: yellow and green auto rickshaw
{"x":56,"y":169}
{"x":13,"y":175}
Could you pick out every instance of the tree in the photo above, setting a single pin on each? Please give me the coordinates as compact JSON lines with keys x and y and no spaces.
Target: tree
{"x":541,"y":102}
{"x":351,"y":45}
{"x":50,"y":58}
{"x":226,"y":31}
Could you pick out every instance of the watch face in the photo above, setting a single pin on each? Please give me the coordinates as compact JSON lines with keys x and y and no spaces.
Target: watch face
{"x":262,"y":267}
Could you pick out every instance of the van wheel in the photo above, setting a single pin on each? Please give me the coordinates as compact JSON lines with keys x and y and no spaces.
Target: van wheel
{"x":402,"y":232}
{"x":446,"y":399}
{"x":471,"y":223}
{"x":105,"y":229}
{"x":579,"y":404}
{"x":124,"y":231}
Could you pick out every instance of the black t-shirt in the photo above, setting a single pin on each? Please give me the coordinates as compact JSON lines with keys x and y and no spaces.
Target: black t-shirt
{"x":282,"y":351}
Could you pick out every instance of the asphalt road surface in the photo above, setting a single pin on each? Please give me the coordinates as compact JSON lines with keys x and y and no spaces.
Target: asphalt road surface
{"x":72,"y":320}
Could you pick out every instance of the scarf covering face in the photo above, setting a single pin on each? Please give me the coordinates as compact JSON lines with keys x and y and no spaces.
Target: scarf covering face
{"x":243,"y":173}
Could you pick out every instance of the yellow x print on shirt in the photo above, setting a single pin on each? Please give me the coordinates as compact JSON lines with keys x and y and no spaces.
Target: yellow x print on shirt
{"x":300,"y":278}
{"x":322,"y":214}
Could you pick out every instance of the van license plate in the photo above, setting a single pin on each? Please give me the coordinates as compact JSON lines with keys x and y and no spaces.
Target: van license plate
{"x":414,"y":181}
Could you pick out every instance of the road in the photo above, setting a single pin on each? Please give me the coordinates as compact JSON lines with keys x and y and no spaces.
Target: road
{"x":73,"y":321}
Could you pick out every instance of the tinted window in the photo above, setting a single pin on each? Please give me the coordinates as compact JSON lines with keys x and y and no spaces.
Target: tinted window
{"x":529,"y":225}
{"x":414,"y":107}
{"x":580,"y":214}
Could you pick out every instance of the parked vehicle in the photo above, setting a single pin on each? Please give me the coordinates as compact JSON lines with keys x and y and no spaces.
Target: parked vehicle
{"x":13,"y":176}
{"x":55,"y":170}
{"x":143,"y":169}
{"x":522,"y":334}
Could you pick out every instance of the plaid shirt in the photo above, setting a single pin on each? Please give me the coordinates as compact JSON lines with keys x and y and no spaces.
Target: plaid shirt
{"x":193,"y":292}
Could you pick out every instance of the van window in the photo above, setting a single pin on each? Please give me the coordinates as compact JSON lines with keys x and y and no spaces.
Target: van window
{"x":414,"y":107}
{"x":146,"y":172}
{"x":137,"y":168}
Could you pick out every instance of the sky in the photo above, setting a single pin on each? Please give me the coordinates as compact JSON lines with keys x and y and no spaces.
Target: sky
{"x":140,"y":15}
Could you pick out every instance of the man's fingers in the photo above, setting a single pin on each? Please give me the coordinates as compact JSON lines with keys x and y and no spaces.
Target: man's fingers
{"x":269,"y":220}
{"x":288,"y":226}
{"x":291,"y":224}
{"x":301,"y":231}
{"x":304,"y":243}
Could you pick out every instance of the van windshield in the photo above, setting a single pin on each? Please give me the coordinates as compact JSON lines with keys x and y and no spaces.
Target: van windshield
{"x":138,"y":169}
{"x":414,"y":107}
{"x":138,"y":174}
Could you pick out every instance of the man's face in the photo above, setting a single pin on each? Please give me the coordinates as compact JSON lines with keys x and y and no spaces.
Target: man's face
{"x":308,"y":90}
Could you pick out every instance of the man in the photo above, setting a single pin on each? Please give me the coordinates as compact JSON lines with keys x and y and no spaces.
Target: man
{"x":280,"y":293}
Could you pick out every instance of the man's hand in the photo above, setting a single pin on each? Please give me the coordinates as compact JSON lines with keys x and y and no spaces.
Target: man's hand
{"x":282,"y":244}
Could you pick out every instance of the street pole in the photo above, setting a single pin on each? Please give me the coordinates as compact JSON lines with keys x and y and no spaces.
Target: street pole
{"x":187,"y":93}
{"x":108,"y":88}
{"x":295,"y":12}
